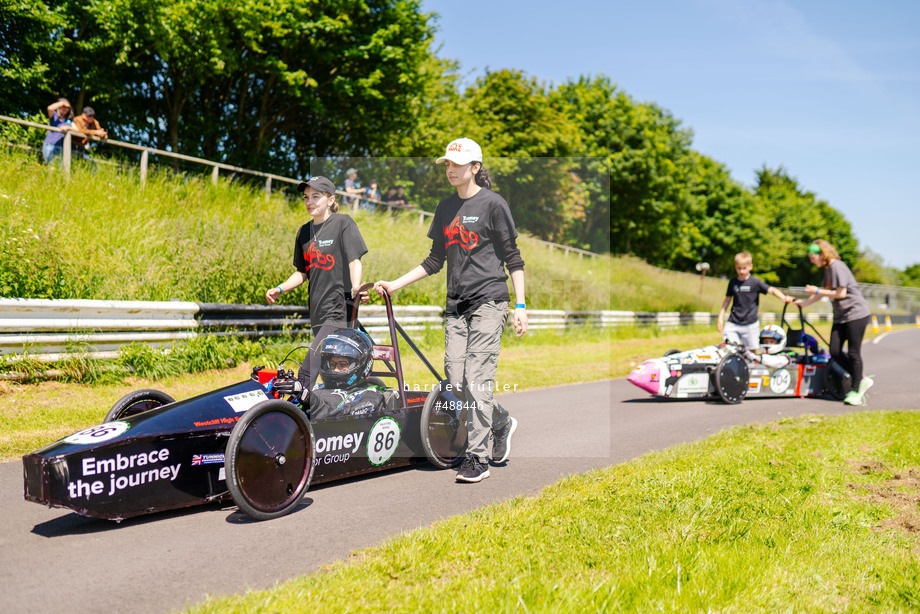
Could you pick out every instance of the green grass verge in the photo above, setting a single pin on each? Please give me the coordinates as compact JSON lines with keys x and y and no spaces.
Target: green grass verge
{"x":810,"y":514}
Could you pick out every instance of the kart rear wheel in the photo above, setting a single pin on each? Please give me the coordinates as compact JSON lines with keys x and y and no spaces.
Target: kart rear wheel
{"x":269,"y":459}
{"x":672,"y":351}
{"x":443,"y":428}
{"x":731,"y":378}
{"x":136,"y":402}
{"x":836,"y":380}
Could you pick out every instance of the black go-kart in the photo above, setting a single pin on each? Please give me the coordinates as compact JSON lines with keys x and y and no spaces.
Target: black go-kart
{"x":243,"y":442}
{"x":728,"y":372}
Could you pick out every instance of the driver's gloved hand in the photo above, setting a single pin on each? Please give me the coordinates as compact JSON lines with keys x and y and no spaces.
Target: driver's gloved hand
{"x":288,"y":385}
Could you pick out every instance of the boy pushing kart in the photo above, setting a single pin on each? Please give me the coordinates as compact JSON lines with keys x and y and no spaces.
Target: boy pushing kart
{"x":743,"y":294}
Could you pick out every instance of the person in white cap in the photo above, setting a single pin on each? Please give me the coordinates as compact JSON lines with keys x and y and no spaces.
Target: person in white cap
{"x":473,"y":231}
{"x":327,"y":255}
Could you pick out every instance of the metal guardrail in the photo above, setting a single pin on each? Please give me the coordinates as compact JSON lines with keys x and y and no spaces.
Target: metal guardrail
{"x":50,"y":330}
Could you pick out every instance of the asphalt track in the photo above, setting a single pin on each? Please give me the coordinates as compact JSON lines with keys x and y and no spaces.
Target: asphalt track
{"x":52,"y":560}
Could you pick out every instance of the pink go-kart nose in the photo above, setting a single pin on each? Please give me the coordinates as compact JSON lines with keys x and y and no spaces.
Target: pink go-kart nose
{"x":648,"y":376}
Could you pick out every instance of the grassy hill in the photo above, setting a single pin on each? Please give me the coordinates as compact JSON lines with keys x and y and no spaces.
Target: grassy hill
{"x":102,"y":235}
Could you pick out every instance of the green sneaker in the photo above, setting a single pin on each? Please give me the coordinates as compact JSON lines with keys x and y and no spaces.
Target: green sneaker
{"x":853,"y":398}
{"x":864,"y":385}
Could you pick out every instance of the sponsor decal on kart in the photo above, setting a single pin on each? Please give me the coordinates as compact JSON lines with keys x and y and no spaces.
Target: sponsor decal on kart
{"x":207,"y":459}
{"x":382,"y":441}
{"x":98,"y":434}
{"x":780,"y":381}
{"x":754,"y":386}
{"x":693,"y":383}
{"x":217,"y":421}
{"x":246,"y":400}
{"x":121,"y":472}
{"x":337,"y":448}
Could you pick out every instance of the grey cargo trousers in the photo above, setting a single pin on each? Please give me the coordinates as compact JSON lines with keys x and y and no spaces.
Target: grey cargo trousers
{"x":472,"y":342}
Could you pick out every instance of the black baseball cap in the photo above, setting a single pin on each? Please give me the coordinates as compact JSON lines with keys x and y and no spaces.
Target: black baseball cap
{"x":320,"y":184}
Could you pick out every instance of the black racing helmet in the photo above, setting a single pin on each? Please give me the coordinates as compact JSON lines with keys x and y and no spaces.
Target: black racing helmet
{"x":355,"y":347}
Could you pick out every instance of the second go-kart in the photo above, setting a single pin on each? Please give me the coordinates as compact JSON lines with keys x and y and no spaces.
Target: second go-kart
{"x":242,"y":442}
{"x":791,"y":364}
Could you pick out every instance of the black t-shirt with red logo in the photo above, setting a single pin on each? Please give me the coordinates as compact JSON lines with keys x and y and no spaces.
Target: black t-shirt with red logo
{"x":477,"y":236}
{"x":745,"y":299}
{"x":323,"y":253}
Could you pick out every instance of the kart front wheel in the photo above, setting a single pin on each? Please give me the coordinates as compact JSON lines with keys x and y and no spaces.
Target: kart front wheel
{"x":136,"y":402}
{"x":443,"y":428}
{"x":731,"y":378}
{"x":269,"y":459}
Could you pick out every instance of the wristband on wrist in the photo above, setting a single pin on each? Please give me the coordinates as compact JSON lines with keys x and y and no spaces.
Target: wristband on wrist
{"x":521,"y":306}
{"x":280,"y":291}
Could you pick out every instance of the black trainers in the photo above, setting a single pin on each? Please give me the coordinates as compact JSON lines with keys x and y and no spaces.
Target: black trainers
{"x":501,"y":441}
{"x":472,"y":469}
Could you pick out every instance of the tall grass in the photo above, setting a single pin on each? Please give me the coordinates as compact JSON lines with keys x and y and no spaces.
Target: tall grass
{"x":103,"y":235}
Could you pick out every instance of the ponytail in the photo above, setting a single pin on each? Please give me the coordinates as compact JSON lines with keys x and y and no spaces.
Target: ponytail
{"x":483,"y":178}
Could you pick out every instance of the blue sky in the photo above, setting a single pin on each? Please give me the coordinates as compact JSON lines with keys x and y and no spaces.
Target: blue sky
{"x":830,"y":90}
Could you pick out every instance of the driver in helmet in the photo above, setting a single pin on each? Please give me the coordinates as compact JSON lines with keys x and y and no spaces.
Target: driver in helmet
{"x":772,"y":343}
{"x":346,"y":361}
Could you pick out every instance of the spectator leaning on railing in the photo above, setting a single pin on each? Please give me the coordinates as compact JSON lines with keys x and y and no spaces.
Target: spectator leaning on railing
{"x":87,"y":124}
{"x":352,"y":186}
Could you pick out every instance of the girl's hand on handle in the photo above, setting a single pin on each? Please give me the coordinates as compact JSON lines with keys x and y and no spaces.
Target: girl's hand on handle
{"x":384,"y":287}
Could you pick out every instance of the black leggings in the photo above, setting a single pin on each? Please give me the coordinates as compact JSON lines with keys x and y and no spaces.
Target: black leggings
{"x":850,"y":333}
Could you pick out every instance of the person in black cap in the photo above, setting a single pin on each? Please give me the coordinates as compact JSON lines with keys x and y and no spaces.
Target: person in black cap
{"x":327,"y":255}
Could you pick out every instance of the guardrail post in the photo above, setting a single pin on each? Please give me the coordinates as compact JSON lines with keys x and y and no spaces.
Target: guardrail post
{"x":65,"y":155}
{"x":145,"y":155}
{"x":268,"y":188}
{"x":214,"y":174}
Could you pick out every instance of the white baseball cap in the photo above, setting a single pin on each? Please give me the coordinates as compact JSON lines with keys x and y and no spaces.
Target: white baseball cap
{"x":462,"y":151}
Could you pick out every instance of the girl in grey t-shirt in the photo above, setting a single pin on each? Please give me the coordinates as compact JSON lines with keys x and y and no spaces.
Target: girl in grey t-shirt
{"x":851,"y":315}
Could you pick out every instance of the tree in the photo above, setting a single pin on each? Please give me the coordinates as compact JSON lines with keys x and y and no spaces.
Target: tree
{"x":870,"y":268}
{"x":910,"y":276}
{"x":259,"y":83}
{"x":721,"y":219}
{"x":795,"y":218}
{"x":30,"y":54}
{"x":649,"y":159}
